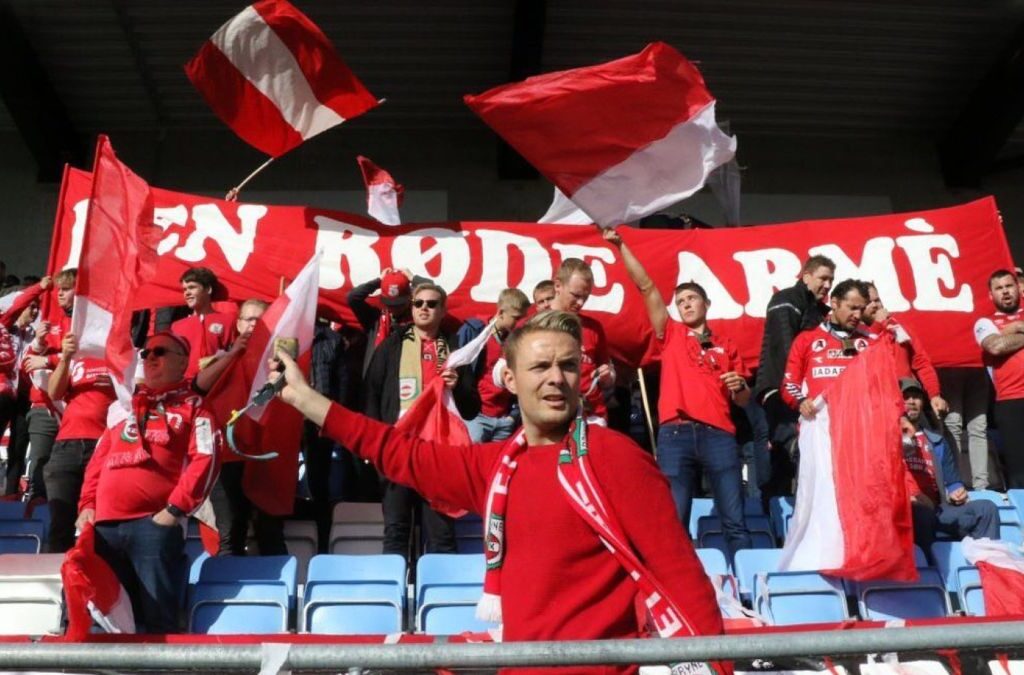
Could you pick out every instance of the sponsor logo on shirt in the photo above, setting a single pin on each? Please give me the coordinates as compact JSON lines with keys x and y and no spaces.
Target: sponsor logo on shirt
{"x":827,"y":371}
{"x":216,"y":328}
{"x":818,"y":345}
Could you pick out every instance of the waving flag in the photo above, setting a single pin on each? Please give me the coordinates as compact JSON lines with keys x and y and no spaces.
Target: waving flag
{"x":852,"y":515}
{"x":275,"y":426}
{"x":1002,"y":575}
{"x":383,"y":194}
{"x":93,"y":591}
{"x":273,"y":77}
{"x":562,"y":211}
{"x":119,"y":227}
{"x":622,"y":139}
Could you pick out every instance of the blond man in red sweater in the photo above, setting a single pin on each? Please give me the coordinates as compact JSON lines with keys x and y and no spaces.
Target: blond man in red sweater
{"x":549,"y":495}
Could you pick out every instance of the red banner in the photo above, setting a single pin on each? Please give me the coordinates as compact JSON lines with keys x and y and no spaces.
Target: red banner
{"x":931,"y":267}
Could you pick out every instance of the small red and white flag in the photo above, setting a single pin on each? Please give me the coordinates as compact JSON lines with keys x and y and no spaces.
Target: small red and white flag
{"x":273,"y":77}
{"x":1001,"y":568}
{"x":119,"y":226}
{"x":852,"y":516}
{"x":383,"y":195}
{"x":93,"y":592}
{"x":622,"y":140}
{"x":270,"y":485}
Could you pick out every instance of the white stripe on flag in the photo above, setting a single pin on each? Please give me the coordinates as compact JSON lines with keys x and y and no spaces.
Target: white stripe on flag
{"x":91,"y":325}
{"x":655,"y":177}
{"x":564,"y":212}
{"x":815,"y":537}
{"x":253,"y":47}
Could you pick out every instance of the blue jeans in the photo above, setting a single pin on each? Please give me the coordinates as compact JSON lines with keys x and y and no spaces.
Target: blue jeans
{"x":685,"y":449}
{"x":149,"y":561}
{"x":483,"y":429}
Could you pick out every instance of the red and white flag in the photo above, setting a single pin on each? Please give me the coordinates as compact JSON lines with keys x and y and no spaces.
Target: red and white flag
{"x":119,"y":227}
{"x":383,"y":194}
{"x":1002,"y":575}
{"x":275,"y":426}
{"x":93,"y":592}
{"x":564,"y":212}
{"x":622,"y":139}
{"x":273,"y":77}
{"x":852,"y":515}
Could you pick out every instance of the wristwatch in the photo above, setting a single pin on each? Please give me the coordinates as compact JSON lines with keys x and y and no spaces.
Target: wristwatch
{"x":174,"y":511}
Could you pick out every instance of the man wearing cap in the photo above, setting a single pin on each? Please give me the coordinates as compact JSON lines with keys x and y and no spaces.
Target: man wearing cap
{"x":150,"y":470}
{"x":379,"y":322}
{"x":938,"y":498}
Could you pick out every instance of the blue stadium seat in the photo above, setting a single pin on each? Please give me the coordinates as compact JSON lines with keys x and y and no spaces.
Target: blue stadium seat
{"x":752,"y":561}
{"x":753,"y":507}
{"x":12,"y":510}
{"x":469,"y":534}
{"x":781,"y":512}
{"x":957,"y":573}
{"x":253,"y":594}
{"x":1016,"y":497}
{"x":969,"y":594}
{"x":22,"y":536}
{"x":354,"y":594}
{"x":703,"y":507}
{"x":448,"y":588}
{"x":717,"y":569}
{"x":710,"y":533}
{"x":790,"y":598}
{"x":1009,"y":517}
{"x":922,"y":599}
{"x":700,"y":507}
{"x":41,"y":512}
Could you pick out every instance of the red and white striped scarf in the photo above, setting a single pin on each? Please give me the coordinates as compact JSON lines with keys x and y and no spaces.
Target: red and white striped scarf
{"x":586,"y":497}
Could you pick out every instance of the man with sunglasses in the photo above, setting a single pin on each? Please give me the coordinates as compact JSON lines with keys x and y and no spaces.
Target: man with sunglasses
{"x":380,"y":321}
{"x":151,"y":470}
{"x":401,"y":368}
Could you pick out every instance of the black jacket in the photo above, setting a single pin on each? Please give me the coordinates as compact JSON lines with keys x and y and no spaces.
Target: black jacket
{"x":368,"y":315}
{"x":380,"y":386}
{"x":789,"y":312}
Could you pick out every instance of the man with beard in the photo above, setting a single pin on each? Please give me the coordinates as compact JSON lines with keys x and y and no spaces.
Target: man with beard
{"x":1001,"y":336}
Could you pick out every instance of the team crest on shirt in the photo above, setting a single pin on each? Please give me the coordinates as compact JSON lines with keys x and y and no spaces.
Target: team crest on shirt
{"x":860,"y":344}
{"x":818,"y":345}
{"x":216,"y":328}
{"x":408,"y":388}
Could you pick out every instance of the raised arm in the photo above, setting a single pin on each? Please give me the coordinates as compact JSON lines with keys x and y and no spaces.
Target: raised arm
{"x":60,"y":379}
{"x":653,"y":301}
{"x":21,"y":303}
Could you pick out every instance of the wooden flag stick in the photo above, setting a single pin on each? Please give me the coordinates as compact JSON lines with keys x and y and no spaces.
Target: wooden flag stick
{"x":647,"y":411}
{"x":233,"y":193}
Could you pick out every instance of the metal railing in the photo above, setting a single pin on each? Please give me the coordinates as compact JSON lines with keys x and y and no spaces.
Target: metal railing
{"x":993,"y":636}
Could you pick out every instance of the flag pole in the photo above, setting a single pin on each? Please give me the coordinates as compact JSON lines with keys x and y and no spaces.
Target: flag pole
{"x":233,"y":193}
{"x":647,"y":411}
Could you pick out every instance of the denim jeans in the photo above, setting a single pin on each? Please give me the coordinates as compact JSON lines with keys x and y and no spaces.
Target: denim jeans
{"x":149,"y":561}
{"x":483,"y":428}
{"x":685,"y":449}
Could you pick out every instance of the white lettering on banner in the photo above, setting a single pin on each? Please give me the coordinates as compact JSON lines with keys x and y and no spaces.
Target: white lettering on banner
{"x":337,"y":240}
{"x":494,"y":246}
{"x":210,"y":223}
{"x":692,"y":268}
{"x":767,"y":270}
{"x":929,"y":271}
{"x":596,"y":256}
{"x":449,"y":245}
{"x":876,"y":265}
{"x":81,"y":210}
{"x":166,"y":218}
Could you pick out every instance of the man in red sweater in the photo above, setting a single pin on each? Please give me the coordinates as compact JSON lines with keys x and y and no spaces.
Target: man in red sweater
{"x":148,"y":473}
{"x":206,"y":330}
{"x":549,"y":571}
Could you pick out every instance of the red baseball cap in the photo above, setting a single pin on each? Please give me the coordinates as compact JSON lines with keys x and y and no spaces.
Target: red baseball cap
{"x":394,"y":289}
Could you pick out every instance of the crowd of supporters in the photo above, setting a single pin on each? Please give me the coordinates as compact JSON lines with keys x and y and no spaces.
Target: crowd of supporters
{"x":719,"y":428}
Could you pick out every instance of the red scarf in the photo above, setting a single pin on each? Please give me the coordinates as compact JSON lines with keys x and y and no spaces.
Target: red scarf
{"x":147,"y":423}
{"x":587,"y":499}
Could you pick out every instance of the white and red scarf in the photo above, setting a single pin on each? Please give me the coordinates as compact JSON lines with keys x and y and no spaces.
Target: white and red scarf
{"x":147,"y":424}
{"x":587,"y":499}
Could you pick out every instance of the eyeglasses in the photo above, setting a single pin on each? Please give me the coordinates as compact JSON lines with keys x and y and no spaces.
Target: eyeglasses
{"x":158,"y":352}
{"x":431,"y":304}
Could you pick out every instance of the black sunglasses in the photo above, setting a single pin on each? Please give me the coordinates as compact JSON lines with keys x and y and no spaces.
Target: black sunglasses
{"x":158,"y":352}
{"x":429,"y":303}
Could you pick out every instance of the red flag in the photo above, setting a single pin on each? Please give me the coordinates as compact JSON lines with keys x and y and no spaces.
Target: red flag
{"x":383,"y":194}
{"x":273,"y":77}
{"x":1002,"y":575}
{"x":93,"y":591}
{"x":119,"y":227}
{"x":622,"y":139}
{"x":276,"y":426}
{"x":852,"y":516}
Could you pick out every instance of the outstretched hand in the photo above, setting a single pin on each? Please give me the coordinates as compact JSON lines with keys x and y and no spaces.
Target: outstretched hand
{"x":610,"y":235}
{"x":296,"y":386}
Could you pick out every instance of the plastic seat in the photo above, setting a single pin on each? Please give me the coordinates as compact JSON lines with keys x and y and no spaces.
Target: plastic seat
{"x":251,"y":594}
{"x":717,"y":569}
{"x":31,"y":594}
{"x":448,"y":588}
{"x":700,"y":507}
{"x":22,"y":536}
{"x":12,"y":510}
{"x":1009,"y":516}
{"x":954,"y":569}
{"x":969,"y":593}
{"x":752,"y":561}
{"x":780,"y":512}
{"x":469,"y":534}
{"x":300,"y":537}
{"x":357,"y":529}
{"x":791,"y":598}
{"x":1016,"y":497}
{"x":886,"y":600}
{"x":357,"y":594}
